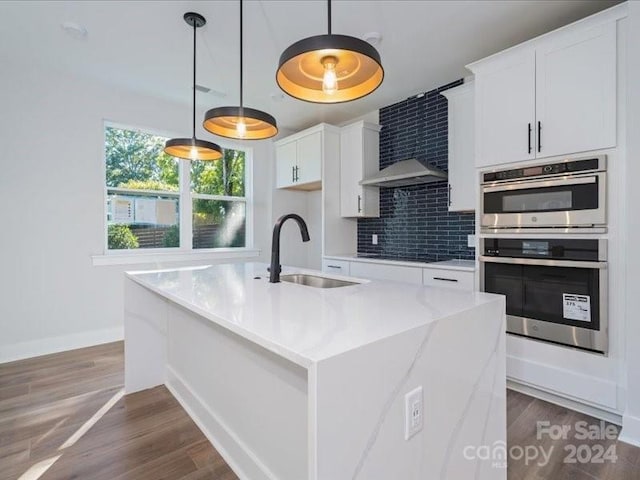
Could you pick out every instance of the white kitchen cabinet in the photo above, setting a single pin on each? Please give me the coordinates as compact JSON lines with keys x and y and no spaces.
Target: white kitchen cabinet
{"x":576,"y":91}
{"x":555,"y":95}
{"x":458,"y":279}
{"x":359,"y":158}
{"x":377,"y":271}
{"x":462,"y":174}
{"x":505,"y":109}
{"x":299,"y":159}
{"x":339,"y":267}
{"x":286,"y":159}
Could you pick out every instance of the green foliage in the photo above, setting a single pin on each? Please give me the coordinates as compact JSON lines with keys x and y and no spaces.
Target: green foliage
{"x":138,"y":156}
{"x":171,"y":237}
{"x":149,"y":185}
{"x":121,"y":237}
{"x":222,"y":177}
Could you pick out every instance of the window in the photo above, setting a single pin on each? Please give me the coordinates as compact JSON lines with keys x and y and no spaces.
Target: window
{"x":155,"y":201}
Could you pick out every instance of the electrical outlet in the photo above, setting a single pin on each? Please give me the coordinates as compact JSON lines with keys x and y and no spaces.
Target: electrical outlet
{"x":413,"y":412}
{"x":471,"y":241}
{"x":374,"y":239}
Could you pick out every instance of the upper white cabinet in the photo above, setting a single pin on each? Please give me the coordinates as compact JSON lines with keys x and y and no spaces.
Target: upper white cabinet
{"x":462,"y":179}
{"x":555,"y":95}
{"x":359,"y":158}
{"x":576,"y":91}
{"x":299,"y":159}
{"x":505,"y":109}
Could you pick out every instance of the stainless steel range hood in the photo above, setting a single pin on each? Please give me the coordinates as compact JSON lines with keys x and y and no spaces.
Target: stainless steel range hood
{"x":404,"y":173}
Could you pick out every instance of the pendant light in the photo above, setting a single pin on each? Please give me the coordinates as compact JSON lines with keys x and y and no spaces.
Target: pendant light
{"x":193,"y":148}
{"x":329,"y":68}
{"x":240,"y":122}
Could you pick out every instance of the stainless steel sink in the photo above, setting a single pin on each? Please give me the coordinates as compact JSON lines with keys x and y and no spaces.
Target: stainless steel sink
{"x":315,"y":281}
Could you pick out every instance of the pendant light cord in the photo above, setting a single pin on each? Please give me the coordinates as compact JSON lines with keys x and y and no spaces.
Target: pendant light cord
{"x":241,"y":63}
{"x":194,"y":77}
{"x":329,"y":15}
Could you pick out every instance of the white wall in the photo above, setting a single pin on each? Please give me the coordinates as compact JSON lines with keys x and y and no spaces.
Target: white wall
{"x":631,"y":419}
{"x":51,"y":194}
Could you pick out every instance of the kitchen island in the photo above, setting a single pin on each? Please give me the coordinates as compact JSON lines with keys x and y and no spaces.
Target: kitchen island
{"x":293,"y":382}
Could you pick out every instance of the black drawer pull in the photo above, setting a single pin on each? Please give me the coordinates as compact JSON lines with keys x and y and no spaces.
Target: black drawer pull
{"x":334,"y":266}
{"x":445,"y":279}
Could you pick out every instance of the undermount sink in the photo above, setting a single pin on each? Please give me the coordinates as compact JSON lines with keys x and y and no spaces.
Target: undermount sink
{"x":315,"y":281}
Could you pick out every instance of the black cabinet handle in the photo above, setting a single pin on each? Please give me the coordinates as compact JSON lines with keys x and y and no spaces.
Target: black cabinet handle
{"x":445,"y":279}
{"x":449,"y":194}
{"x":529,"y":138}
{"x":334,"y":266}
{"x":297,"y":176}
{"x":293,"y":174}
{"x":359,"y":204}
{"x":539,"y":136}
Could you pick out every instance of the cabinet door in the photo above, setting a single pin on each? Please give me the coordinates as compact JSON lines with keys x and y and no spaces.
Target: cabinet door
{"x":309,"y":153}
{"x":285,"y":164}
{"x":462,"y":173}
{"x":377,"y":271}
{"x":351,"y":172}
{"x":505,"y":110}
{"x":576,"y":91}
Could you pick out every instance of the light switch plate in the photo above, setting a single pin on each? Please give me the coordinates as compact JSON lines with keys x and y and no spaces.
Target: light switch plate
{"x":374,"y":239}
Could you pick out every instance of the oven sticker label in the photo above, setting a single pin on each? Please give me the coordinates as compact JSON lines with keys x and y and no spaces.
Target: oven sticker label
{"x":576,"y":307}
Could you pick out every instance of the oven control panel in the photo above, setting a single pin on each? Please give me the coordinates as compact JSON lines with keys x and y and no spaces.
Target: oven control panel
{"x":556,"y":249}
{"x":576,"y":166}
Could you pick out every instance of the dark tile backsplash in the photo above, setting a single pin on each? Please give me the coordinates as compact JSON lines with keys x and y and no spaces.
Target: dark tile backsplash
{"x":414,"y":221}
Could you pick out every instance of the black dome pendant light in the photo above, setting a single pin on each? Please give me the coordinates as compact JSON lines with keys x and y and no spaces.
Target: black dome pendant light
{"x":240,"y":122}
{"x":329,"y":68}
{"x":193,"y":148}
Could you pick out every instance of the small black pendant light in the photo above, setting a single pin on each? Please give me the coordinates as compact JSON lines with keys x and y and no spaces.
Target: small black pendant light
{"x":193,"y":148}
{"x":329,"y":68}
{"x":240,"y":122}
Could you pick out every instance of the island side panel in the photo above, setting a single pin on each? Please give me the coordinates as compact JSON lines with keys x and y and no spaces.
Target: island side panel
{"x":250,"y":402}
{"x":145,"y":352}
{"x":359,"y":402}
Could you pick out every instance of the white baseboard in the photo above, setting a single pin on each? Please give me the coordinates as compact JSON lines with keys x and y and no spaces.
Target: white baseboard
{"x":565,"y":402}
{"x":590,"y":390}
{"x":45,"y":346}
{"x":630,"y":430}
{"x":237,"y":455}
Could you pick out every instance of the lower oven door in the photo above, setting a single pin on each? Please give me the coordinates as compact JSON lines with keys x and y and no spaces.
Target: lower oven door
{"x":558,"y":301}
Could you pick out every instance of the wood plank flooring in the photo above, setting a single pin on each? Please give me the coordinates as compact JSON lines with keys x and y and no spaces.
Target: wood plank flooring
{"x":63,"y":417}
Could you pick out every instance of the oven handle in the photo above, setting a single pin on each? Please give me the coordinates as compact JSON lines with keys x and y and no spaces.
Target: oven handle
{"x":525,"y":185}
{"x":544,"y":262}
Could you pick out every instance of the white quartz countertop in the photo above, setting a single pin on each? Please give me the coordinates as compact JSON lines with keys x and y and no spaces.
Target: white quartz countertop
{"x":463,"y":265}
{"x":305,"y":324}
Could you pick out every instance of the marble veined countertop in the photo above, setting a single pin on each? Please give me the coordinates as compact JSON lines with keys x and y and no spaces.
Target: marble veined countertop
{"x":305,"y":324}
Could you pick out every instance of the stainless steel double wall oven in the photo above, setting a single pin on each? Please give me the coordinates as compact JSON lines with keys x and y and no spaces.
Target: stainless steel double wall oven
{"x":555,"y":284}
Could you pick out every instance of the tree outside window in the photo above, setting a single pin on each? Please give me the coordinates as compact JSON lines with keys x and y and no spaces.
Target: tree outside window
{"x":144,"y":195}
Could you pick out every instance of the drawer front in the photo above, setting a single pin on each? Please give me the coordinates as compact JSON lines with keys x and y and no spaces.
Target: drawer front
{"x":339,"y":267}
{"x":436,"y":277}
{"x":386,"y":272}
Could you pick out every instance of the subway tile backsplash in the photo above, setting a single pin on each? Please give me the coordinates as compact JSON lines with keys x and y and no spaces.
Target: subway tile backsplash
{"x":414,"y":221}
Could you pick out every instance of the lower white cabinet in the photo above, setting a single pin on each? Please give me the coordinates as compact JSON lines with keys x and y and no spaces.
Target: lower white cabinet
{"x":339,"y":267}
{"x":438,"y":277}
{"x":377,"y":271}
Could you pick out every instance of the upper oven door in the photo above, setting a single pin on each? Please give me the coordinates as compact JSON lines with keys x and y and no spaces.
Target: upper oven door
{"x":568,"y":201}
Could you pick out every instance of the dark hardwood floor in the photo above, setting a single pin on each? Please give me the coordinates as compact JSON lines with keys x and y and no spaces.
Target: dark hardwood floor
{"x":64,"y":417}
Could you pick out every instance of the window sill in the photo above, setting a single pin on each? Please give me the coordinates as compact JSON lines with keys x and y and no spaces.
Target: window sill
{"x":137,"y":258}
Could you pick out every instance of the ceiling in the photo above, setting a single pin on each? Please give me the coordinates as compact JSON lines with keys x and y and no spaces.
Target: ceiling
{"x":145,"y":46}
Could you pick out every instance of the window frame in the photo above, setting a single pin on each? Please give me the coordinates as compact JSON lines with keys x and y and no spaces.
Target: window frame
{"x":185,"y":197}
